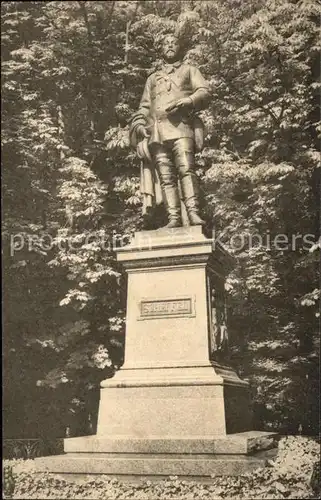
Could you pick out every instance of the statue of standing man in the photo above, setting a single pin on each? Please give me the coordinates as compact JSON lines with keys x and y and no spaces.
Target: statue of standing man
{"x":167,"y":132}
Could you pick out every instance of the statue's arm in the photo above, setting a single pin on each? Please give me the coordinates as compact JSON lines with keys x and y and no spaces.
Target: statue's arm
{"x":145,"y":101}
{"x":200,"y":88}
{"x":140,"y":118}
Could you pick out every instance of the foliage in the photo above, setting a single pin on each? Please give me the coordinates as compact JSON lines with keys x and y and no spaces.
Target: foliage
{"x":73,"y":73}
{"x":288,"y":476}
{"x":8,"y":481}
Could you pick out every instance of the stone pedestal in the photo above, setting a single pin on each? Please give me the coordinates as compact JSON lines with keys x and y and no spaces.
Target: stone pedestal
{"x":170,"y":409}
{"x":168,"y":386}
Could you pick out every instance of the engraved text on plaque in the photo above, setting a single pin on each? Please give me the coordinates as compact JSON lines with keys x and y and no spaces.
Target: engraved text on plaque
{"x":166,"y":307}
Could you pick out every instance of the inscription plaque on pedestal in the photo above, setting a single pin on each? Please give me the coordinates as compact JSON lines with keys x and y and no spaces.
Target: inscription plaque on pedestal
{"x":159,"y":308}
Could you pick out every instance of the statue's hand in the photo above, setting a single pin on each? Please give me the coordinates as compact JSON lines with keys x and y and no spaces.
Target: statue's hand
{"x":181,"y":103}
{"x":142,"y":132}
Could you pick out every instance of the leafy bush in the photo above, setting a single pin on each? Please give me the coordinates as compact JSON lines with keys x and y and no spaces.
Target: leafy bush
{"x":8,"y":481}
{"x":288,"y":476}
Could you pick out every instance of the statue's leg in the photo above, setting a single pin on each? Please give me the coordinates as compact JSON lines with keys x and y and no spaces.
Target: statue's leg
{"x":168,"y":179}
{"x":183,"y":150}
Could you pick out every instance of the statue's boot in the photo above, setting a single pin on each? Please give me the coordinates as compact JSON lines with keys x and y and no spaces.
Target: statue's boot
{"x":173,"y":206}
{"x":190,"y":190}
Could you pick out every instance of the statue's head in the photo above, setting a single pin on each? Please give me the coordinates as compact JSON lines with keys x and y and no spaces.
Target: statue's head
{"x":171,"y":48}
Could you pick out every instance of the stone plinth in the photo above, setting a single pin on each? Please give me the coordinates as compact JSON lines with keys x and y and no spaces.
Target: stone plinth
{"x":167,"y":386}
{"x":242,"y":443}
{"x":142,"y":458}
{"x":169,"y":410}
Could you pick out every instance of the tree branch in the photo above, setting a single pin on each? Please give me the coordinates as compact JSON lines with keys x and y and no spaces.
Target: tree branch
{"x":83,"y":9}
{"x":128,"y":25}
{"x":88,"y":68}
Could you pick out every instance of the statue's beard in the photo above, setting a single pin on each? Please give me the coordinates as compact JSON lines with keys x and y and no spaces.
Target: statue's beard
{"x":171,"y":55}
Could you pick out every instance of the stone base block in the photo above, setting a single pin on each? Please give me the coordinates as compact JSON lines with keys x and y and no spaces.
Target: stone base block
{"x":237,"y":408}
{"x":243,"y":443}
{"x":157,"y":458}
{"x":154,"y":465}
{"x":161,"y":411}
{"x":174,"y":402}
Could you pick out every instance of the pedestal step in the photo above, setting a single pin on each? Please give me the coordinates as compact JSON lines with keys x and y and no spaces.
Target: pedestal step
{"x":157,"y":457}
{"x":242,"y":443}
{"x":159,"y":465}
